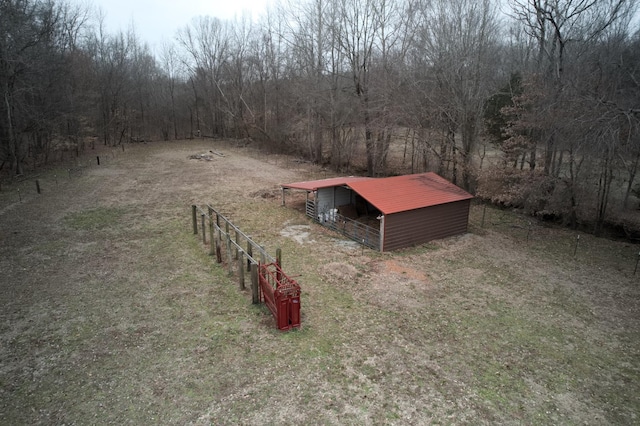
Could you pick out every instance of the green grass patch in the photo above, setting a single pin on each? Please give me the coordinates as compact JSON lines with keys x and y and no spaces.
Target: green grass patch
{"x":95,"y":219}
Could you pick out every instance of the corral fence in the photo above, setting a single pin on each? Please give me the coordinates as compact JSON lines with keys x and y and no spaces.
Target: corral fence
{"x":269,"y":283}
{"x":355,"y":230}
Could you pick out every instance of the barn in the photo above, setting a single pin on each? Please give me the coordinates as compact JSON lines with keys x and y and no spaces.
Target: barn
{"x":388,"y":213}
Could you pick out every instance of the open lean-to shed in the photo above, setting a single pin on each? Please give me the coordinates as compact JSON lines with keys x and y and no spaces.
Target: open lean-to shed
{"x":388,"y":213}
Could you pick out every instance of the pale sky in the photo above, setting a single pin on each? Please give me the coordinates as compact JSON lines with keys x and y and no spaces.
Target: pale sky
{"x":157,"y":20}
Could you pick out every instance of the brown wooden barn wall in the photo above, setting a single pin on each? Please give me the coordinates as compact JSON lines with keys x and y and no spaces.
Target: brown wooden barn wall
{"x":414,"y":227}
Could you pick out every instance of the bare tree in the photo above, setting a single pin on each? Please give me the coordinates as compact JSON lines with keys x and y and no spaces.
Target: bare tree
{"x":369,"y":33}
{"x":269,"y":57}
{"x":170,"y":65}
{"x":356,"y":37}
{"x":577,"y":104}
{"x":206,"y":43}
{"x":114,"y":59}
{"x":38,"y":43}
{"x":459,"y":39}
{"x":562,"y":29}
{"x":304,"y":27}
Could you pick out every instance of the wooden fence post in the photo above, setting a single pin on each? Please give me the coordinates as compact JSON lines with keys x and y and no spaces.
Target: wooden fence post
{"x":279,"y":263}
{"x":38,"y":186}
{"x":249,"y":255}
{"x":241,"y":270}
{"x":237,"y":244}
{"x":212,"y":245}
{"x":254,"y":284}
{"x":195,"y":219}
{"x":204,"y":230}
{"x":226,"y":232}
{"x":218,"y":250}
{"x":218,"y":233}
{"x":228,"y":247}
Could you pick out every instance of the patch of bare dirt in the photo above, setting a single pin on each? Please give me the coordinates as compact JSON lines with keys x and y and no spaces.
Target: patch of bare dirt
{"x":339,"y":272}
{"x":394,"y":285}
{"x":302,"y":234}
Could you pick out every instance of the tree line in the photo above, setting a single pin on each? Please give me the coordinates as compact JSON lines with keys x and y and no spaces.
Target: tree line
{"x":533,"y":104}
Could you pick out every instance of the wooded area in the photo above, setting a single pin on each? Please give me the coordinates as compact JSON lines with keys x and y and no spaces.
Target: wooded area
{"x":533,"y":104}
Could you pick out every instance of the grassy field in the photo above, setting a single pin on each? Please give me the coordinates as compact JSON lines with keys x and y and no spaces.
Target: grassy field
{"x":112,"y":312}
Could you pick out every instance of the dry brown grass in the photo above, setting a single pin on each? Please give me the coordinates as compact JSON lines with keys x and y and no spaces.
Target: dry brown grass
{"x":112,"y":311}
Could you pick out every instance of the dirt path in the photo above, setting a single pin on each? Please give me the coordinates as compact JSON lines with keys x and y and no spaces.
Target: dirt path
{"x":112,"y":311}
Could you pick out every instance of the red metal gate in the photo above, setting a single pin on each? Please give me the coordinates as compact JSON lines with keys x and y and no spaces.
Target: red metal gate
{"x":281,"y":294}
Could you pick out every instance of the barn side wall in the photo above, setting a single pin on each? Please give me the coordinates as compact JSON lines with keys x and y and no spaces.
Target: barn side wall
{"x":414,"y":227}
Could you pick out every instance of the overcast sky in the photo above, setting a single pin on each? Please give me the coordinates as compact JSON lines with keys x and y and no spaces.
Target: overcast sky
{"x":158,"y":20}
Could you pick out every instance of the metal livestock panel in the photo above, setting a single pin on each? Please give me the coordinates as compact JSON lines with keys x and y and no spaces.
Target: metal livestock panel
{"x":357,"y":231}
{"x":415,"y":227}
{"x":311,"y":209}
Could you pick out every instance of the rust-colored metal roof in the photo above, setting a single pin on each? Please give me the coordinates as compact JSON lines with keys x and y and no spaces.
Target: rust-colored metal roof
{"x":395,"y":194}
{"x":408,"y":192}
{"x":313,"y":185}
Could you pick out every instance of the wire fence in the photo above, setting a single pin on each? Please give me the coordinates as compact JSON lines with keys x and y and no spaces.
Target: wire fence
{"x":22,"y":187}
{"x":567,"y":245}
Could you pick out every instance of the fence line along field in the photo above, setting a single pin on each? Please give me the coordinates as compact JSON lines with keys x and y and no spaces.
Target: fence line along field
{"x":113,"y":311}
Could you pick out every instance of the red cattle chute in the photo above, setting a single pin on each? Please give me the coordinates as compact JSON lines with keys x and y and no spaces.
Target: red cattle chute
{"x":281,"y":294}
